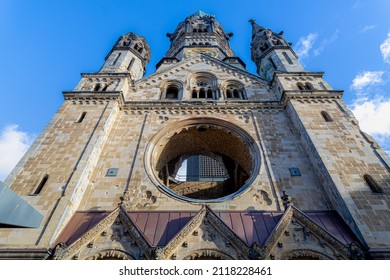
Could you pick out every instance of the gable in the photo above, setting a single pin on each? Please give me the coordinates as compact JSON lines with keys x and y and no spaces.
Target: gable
{"x":149,"y":88}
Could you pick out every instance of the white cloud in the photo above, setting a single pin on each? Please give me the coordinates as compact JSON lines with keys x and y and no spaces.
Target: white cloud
{"x":326,"y":42}
{"x":13,"y":145}
{"x":305,"y":44}
{"x":385,"y":49}
{"x":366,"y":28}
{"x":365,"y":79}
{"x":374,"y":118}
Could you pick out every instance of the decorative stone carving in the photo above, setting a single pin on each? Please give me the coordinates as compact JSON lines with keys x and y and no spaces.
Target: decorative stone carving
{"x":262,"y":197}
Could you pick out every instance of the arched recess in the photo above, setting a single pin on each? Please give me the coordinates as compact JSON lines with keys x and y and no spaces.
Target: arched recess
{"x":203,"y":85}
{"x":110,"y":254}
{"x":233,"y":90}
{"x":305,"y":254}
{"x":222,"y":142}
{"x":171,"y":89}
{"x":207,"y":254}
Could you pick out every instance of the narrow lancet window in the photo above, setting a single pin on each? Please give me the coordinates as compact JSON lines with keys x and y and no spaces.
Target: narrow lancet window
{"x":41,"y":185}
{"x":116,"y":59}
{"x":130,"y":64}
{"x":326,"y":116}
{"x":375,"y":188}
{"x":82,"y":116}
{"x":287,"y":58}
{"x":97,"y":87}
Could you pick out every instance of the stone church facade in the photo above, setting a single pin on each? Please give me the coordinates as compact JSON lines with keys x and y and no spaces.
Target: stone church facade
{"x":298,"y":179}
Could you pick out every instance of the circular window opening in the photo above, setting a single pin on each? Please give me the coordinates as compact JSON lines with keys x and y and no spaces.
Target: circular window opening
{"x":203,"y":160}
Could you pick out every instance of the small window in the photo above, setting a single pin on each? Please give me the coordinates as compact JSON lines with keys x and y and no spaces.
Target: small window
{"x":209,"y":93}
{"x":375,"y":188}
{"x":82,"y":116}
{"x":202,"y":93}
{"x":301,"y":86}
{"x":272,"y":63}
{"x":130,"y":64}
{"x":116,"y":59}
{"x":229,"y":93}
{"x":41,"y":185}
{"x":112,"y":172}
{"x":97,"y":87}
{"x":326,"y":116}
{"x":309,"y":86}
{"x":294,"y":171}
{"x":172,"y":92}
{"x":194,"y":93}
{"x":287,"y":58}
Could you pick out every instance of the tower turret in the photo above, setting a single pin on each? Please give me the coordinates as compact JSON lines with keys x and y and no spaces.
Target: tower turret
{"x":271,"y":52}
{"x":130,"y":53}
{"x":199,"y":33}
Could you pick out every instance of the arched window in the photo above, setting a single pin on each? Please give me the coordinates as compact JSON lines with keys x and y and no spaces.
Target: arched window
{"x":194,"y":44}
{"x":326,"y":116}
{"x":203,"y":85}
{"x":301,"y":86}
{"x":171,"y":89}
{"x":309,"y":86}
{"x":41,"y":185}
{"x":229,"y":93}
{"x":233,"y":89}
{"x":97,"y":87}
{"x":194,"y":93}
{"x":209,"y":93}
{"x":200,"y":44}
{"x":138,"y":48}
{"x":172,"y":92}
{"x":375,"y":188}
{"x":202,"y":93}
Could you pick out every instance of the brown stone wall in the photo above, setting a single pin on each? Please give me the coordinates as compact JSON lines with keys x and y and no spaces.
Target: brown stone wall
{"x":341,"y":156}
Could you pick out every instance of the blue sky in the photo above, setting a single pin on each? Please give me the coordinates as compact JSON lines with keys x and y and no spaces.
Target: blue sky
{"x":45,"y":45}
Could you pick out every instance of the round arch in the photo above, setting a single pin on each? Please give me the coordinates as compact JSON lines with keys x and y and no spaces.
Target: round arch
{"x":204,"y":136}
{"x":208,"y":254}
{"x":110,"y":254}
{"x":305,"y":254}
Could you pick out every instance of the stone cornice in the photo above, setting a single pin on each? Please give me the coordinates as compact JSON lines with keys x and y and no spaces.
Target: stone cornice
{"x":91,"y":95}
{"x":106,"y":74}
{"x":310,"y":94}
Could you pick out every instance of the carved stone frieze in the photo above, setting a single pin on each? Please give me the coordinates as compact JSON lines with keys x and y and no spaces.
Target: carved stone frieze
{"x":110,"y":254}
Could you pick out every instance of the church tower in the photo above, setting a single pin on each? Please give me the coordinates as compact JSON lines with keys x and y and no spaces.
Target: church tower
{"x":272,"y":53}
{"x":199,"y":160}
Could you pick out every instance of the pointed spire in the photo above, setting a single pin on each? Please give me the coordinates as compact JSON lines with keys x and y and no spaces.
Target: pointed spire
{"x":201,"y":14}
{"x":255,"y":27}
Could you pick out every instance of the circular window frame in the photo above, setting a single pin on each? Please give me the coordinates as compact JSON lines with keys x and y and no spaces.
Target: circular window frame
{"x":160,"y":138}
